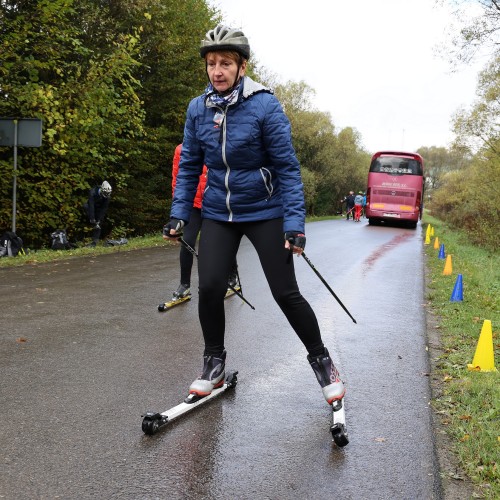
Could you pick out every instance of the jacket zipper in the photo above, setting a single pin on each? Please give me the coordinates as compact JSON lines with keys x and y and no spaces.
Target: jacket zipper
{"x":228,"y":168}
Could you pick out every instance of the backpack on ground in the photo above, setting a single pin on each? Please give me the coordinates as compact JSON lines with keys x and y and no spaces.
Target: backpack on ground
{"x":11,"y":245}
{"x":60,"y":240}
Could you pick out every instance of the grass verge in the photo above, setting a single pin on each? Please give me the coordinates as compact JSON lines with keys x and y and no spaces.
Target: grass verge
{"x":48,"y":255}
{"x":468,"y":402}
{"x":148,"y":241}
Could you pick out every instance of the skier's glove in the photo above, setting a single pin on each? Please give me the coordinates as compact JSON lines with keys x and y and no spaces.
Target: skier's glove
{"x":175,"y":224}
{"x":296,"y":239}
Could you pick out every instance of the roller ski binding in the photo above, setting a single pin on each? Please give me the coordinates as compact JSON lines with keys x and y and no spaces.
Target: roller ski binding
{"x":182,"y":294}
{"x":152,"y":421}
{"x":334,"y":392}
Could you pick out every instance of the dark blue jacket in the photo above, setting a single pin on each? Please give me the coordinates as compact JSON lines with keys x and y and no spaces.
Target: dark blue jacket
{"x":97,"y":205}
{"x":253,"y":173}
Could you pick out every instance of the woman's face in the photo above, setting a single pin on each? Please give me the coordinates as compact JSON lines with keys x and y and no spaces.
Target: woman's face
{"x":222,"y":70}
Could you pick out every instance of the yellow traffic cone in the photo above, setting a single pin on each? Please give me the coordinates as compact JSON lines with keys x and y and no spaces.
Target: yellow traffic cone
{"x":436,"y":243}
{"x":448,"y":268}
{"x":428,"y":234}
{"x":432,"y":230}
{"x":484,"y":359}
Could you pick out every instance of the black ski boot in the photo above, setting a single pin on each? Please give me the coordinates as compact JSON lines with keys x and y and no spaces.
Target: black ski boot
{"x":212,"y":376}
{"x":182,"y":292}
{"x":328,"y":377}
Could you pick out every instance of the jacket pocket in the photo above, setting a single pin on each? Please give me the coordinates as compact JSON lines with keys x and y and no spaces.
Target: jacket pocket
{"x":267,"y":177}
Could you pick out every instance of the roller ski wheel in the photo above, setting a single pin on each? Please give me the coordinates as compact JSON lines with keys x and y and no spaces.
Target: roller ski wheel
{"x":172,"y":303}
{"x":338,"y":428}
{"x":154,"y":421}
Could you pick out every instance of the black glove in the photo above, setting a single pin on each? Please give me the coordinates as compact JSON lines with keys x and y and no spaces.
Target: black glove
{"x":296,"y":239}
{"x":176,"y":224}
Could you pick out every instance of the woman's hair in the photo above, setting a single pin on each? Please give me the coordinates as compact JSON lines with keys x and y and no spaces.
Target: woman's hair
{"x":230,"y":54}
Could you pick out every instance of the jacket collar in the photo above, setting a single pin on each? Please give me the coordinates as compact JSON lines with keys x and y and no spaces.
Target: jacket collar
{"x":249,"y":88}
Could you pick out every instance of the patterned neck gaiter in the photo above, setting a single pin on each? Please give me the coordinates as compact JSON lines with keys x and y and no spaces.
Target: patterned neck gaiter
{"x":222,"y":100}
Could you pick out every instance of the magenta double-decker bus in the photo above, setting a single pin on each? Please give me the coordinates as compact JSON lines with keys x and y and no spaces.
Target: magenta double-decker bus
{"x":395,"y":189}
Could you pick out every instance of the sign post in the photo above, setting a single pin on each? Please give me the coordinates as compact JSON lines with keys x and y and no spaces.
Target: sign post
{"x":16,"y":132}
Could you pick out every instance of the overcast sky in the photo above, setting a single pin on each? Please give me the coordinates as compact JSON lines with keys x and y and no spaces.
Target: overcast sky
{"x":373,"y":64}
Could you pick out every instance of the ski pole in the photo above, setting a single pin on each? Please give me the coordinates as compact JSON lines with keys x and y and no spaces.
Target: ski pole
{"x":188,"y":247}
{"x":327,"y":286}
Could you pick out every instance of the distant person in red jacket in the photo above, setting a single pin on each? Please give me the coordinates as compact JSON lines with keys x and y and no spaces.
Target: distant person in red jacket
{"x":191,"y":232}
{"x":358,"y":206}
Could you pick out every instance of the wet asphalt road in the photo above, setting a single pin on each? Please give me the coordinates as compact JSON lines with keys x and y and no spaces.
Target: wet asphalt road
{"x":84,"y":353}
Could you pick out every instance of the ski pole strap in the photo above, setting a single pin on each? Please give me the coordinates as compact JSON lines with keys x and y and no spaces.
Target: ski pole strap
{"x":176,"y":225}
{"x":295,"y":239}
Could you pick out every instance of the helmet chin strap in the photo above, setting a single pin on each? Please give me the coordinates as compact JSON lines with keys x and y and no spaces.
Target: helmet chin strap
{"x":229,"y":90}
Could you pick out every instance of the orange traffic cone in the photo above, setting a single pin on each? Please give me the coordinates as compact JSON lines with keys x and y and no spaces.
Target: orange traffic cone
{"x":448,"y":268}
{"x":484,"y":359}
{"x":436,"y":243}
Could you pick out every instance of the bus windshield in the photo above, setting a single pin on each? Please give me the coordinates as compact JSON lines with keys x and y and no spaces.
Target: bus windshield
{"x":394,"y":165}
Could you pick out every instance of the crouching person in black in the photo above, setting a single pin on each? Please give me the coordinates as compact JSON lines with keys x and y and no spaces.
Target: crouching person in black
{"x":96,"y":207}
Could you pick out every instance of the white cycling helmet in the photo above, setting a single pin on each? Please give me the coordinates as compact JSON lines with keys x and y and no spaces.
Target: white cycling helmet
{"x":106,"y":189}
{"x":225,"y":38}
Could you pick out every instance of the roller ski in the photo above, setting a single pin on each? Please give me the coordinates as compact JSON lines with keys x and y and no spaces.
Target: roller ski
{"x":181,"y":295}
{"x":211,"y":383}
{"x":338,"y":428}
{"x":334,"y":392}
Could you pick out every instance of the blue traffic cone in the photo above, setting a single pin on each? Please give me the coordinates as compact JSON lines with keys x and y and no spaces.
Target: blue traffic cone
{"x":458,"y":294}
{"x":442,"y":254}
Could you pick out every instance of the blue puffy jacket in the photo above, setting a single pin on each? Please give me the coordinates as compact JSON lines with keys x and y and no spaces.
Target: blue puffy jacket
{"x":253,"y":172}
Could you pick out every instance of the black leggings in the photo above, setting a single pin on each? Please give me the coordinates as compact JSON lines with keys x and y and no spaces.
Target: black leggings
{"x":219,"y":243}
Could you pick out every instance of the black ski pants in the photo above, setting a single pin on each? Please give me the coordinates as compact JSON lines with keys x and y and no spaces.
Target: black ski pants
{"x":219,"y":243}
{"x":190,"y":235}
